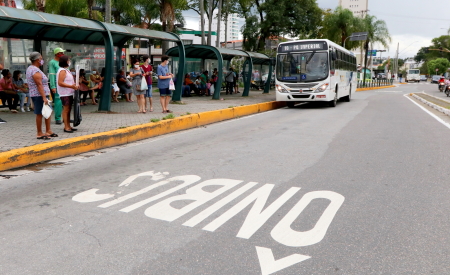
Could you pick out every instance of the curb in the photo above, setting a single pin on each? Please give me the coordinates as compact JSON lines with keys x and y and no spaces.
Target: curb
{"x":72,"y":146}
{"x":374,"y":88}
{"x":432,"y":105}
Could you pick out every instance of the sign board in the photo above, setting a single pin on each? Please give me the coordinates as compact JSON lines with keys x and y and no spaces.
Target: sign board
{"x":358,"y":36}
{"x":372,"y":52}
{"x":302,"y":46}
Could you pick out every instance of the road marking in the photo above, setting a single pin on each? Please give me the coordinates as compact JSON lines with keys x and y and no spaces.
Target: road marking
{"x":201,"y":193}
{"x":428,"y":112}
{"x":269,"y":265}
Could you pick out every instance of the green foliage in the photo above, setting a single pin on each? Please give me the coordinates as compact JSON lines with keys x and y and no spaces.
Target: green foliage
{"x":421,"y":55}
{"x":442,"y":64}
{"x":169,"y":116}
{"x":340,"y":24}
{"x":154,"y":120}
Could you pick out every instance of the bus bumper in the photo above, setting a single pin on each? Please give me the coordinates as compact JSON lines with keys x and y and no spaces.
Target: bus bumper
{"x":302,"y":97}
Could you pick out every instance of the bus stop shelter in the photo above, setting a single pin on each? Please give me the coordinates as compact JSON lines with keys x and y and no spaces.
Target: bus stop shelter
{"x":37,"y":26}
{"x":225,"y":55}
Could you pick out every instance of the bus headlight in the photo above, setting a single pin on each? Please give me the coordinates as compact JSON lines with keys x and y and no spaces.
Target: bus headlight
{"x":281,"y":89}
{"x":322,"y":88}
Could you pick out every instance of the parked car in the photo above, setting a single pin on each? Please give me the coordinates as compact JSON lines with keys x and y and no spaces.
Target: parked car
{"x":381,"y":76}
{"x":435,"y":78}
{"x":423,"y":77}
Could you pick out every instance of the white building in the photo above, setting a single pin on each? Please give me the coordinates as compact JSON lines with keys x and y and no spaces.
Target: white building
{"x":232,"y":28}
{"x":358,"y":7}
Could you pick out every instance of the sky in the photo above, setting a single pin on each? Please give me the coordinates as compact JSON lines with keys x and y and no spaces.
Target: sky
{"x":411,"y":23}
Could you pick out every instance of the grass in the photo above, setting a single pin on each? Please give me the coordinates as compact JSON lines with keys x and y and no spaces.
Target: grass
{"x":169,"y":116}
{"x":231,"y":106}
{"x":123,"y":127}
{"x":154,"y":120}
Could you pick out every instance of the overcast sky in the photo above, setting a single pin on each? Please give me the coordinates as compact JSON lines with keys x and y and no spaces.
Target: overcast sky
{"x":412,"y":23}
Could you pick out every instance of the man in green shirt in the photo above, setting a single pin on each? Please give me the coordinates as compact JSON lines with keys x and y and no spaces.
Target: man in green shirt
{"x":53,"y":68}
{"x":203,"y":80}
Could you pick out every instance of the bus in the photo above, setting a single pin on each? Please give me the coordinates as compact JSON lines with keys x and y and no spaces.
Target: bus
{"x":413,"y":75}
{"x":314,"y":70}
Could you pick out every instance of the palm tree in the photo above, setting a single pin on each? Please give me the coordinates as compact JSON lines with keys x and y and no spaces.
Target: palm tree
{"x":339,"y":25}
{"x":202,"y":20}
{"x":377,"y":32}
{"x":219,"y":15}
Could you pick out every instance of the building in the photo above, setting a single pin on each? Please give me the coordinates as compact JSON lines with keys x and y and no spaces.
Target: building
{"x":8,"y":3}
{"x":232,"y":27}
{"x":358,"y":7}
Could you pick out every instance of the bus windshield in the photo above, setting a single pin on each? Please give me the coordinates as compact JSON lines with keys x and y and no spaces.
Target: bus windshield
{"x":289,"y":67}
{"x":414,"y":71}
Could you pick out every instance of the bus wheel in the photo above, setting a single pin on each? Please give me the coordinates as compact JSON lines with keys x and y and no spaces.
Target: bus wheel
{"x":290,"y":104}
{"x":349,"y":97}
{"x":334,"y":101}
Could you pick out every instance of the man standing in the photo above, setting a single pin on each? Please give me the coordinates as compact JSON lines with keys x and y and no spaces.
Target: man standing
{"x":53,"y":68}
{"x":400,"y":77}
{"x":229,"y":78}
{"x":163,"y":83}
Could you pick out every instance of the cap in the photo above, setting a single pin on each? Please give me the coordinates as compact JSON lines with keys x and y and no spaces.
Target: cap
{"x":34,"y":56}
{"x":58,"y":50}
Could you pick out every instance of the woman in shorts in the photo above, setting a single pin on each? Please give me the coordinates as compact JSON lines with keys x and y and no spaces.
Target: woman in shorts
{"x":66,"y":87}
{"x":39,"y":93}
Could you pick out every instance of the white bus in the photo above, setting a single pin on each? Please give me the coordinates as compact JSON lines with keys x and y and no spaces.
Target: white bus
{"x":413,"y":75}
{"x":314,"y":70}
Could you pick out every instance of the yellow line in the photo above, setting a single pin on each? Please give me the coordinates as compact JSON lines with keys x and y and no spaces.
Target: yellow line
{"x":72,"y":146}
{"x":374,"y":88}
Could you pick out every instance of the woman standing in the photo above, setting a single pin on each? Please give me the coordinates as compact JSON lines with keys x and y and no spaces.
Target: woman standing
{"x":66,"y":87}
{"x":39,"y":93}
{"x":136,"y":73}
{"x":8,"y":92}
{"x":147,"y":68}
{"x":22,"y":90}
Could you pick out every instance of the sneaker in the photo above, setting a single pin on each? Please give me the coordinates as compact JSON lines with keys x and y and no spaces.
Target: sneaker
{"x":2,"y":121}
{"x":22,"y":110}
{"x":27,"y":109}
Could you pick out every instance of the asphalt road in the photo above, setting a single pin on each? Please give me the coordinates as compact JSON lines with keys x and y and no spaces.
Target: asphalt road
{"x":362,"y":188}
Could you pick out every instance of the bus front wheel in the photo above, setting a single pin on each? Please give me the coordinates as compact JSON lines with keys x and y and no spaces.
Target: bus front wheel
{"x":290,"y":104}
{"x":333,"y":102}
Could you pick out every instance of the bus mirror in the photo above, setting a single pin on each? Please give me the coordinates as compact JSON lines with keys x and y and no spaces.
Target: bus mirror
{"x":333,"y":56}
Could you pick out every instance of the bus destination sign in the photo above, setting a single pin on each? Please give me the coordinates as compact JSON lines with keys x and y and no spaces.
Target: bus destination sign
{"x":302,"y":46}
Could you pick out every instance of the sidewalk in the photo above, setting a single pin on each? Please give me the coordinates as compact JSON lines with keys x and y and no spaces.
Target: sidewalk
{"x":20,"y":129}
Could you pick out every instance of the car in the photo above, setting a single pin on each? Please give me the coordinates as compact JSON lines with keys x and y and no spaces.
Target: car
{"x":423,"y":77}
{"x":435,"y":78}
{"x":381,"y":76}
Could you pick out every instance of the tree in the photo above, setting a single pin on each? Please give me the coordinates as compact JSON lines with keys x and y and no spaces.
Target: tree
{"x":421,"y":55}
{"x":339,"y":25}
{"x":282,"y":17}
{"x":442,"y":64}
{"x":377,"y":32}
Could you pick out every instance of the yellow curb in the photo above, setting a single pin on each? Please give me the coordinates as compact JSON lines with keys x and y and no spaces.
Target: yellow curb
{"x":374,"y":88}
{"x":72,"y":146}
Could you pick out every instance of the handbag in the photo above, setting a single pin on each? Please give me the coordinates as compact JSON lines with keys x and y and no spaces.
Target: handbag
{"x":171,"y":85}
{"x":144,"y":86}
{"x":47,"y":110}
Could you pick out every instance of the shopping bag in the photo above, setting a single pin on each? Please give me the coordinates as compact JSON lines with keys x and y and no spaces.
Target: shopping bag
{"x":171,"y":85}
{"x":47,"y":110}
{"x":211,"y":89}
{"x":144,"y":86}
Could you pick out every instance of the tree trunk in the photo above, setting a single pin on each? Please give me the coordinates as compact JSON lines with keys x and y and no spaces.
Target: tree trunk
{"x":263,"y":33}
{"x":90,"y":4}
{"x":210,"y":19}
{"x":226,"y":29}
{"x":202,"y":20}
{"x":167,"y":18}
{"x":219,"y":15}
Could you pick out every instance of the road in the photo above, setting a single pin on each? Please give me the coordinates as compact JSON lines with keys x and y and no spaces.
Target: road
{"x":358,"y":189}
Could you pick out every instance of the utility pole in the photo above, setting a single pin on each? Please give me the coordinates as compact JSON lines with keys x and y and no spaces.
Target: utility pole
{"x":396,"y":60}
{"x":108,"y":11}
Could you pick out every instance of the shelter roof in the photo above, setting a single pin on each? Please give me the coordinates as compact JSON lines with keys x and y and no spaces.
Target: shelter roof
{"x":26,"y":24}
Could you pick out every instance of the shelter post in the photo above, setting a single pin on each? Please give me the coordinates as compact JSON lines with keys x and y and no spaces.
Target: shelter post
{"x":180,"y":74}
{"x":105,"y":98}
{"x":269,"y":78}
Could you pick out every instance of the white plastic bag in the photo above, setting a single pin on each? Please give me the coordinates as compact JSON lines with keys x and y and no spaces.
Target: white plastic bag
{"x":211,"y":89}
{"x":115,"y":87}
{"x":47,"y":110}
{"x":171,"y":85}
{"x":144,"y":86}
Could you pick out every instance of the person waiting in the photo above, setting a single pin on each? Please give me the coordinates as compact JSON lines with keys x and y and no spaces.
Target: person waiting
{"x":66,"y":87}
{"x":125,"y":89}
{"x":7,"y":91}
{"x":84,"y":89}
{"x":190,"y":83}
{"x":22,"y":90}
{"x":95,"y":83}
